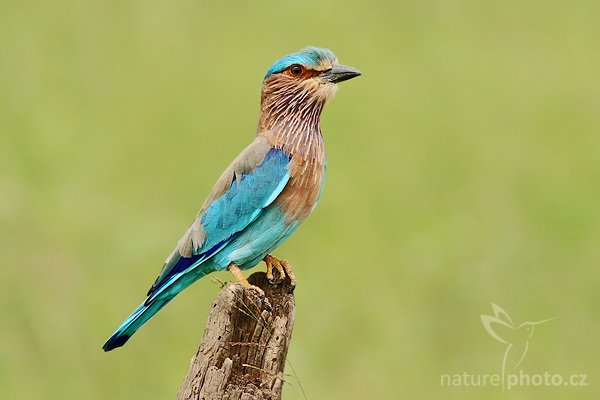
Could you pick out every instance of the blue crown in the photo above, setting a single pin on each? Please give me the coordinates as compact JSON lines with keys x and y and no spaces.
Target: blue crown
{"x":309,"y":56}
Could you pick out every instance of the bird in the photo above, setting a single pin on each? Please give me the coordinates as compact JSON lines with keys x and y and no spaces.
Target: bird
{"x":266,"y":191}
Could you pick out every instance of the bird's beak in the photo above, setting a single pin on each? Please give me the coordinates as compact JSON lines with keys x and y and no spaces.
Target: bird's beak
{"x":339,"y":73}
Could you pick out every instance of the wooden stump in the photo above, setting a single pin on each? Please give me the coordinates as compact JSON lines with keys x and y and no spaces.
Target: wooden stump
{"x":243,"y":351}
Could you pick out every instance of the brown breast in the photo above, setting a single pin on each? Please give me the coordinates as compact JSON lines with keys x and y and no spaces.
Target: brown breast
{"x":302,"y":191}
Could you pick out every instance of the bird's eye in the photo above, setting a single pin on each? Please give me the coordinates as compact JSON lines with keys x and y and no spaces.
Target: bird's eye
{"x":296,"y":70}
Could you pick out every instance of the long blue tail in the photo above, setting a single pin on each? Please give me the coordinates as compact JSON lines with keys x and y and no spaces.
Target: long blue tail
{"x":155,"y":302}
{"x":138,"y":318}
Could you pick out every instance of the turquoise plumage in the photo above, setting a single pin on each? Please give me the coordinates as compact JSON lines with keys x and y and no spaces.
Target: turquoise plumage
{"x":264,"y":194}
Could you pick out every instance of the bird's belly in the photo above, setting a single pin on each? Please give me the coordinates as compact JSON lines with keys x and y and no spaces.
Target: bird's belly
{"x":276,"y":223}
{"x":258,"y":239}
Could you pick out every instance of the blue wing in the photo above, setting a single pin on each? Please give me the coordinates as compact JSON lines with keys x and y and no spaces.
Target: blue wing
{"x":248,"y":193}
{"x":248,"y":186}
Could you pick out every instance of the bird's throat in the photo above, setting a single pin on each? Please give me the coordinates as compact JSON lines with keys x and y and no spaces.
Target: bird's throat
{"x":290,"y":120}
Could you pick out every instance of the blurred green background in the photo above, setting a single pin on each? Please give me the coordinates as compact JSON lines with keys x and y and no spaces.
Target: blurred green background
{"x":463,"y":169}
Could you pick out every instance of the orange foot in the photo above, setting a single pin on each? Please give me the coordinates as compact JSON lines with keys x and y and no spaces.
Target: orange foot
{"x":235,"y":270}
{"x":282,"y":266}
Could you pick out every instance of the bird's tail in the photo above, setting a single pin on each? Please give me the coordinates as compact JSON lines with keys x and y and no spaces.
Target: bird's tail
{"x":153,"y":304}
{"x":138,"y":318}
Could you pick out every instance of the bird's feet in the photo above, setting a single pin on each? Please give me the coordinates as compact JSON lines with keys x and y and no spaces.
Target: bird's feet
{"x":283,"y":268}
{"x":235,"y":270}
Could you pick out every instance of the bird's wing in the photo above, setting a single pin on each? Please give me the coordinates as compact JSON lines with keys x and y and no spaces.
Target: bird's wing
{"x":250,"y":183}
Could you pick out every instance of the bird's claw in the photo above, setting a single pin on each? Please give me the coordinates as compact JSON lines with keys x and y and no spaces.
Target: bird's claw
{"x":235,"y":270}
{"x":283,"y":268}
{"x":272,"y":262}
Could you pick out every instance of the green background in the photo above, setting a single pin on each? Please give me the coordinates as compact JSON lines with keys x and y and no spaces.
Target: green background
{"x":463,"y":169}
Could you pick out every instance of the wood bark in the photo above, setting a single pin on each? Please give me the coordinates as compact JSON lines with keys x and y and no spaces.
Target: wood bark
{"x":242,"y":354}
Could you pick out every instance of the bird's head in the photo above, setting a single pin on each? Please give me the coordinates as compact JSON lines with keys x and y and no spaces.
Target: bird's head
{"x":305,"y":78}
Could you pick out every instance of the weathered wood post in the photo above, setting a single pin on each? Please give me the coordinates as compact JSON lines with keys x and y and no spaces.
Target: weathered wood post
{"x":243,"y":351}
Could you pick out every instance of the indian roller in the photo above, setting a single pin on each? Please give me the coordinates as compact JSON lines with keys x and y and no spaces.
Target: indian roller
{"x":264,"y":194}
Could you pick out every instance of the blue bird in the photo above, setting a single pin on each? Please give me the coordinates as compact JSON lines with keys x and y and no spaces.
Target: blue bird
{"x":264,"y":194}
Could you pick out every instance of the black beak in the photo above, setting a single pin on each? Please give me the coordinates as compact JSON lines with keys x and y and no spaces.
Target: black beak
{"x":339,"y":73}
